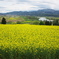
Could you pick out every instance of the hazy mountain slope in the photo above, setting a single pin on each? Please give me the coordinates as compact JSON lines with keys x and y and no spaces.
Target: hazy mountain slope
{"x":44,"y":12}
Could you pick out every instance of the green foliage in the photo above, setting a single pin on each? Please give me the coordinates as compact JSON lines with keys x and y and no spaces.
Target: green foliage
{"x":19,"y":22}
{"x":56,"y":22}
{"x":27,"y":22}
{"x":3,"y":21}
{"x":9,"y":22}
{"x":29,"y":18}
{"x":48,"y":23}
{"x":53,"y":18}
{"x":42,"y":23}
{"x":35,"y":22}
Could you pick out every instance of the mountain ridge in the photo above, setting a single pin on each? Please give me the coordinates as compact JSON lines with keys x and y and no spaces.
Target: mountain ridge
{"x":43,"y":12}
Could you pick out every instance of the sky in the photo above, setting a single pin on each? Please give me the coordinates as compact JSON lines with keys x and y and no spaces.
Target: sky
{"x":27,"y":5}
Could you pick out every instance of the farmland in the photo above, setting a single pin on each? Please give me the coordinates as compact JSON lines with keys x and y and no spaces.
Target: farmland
{"x":22,"y":19}
{"x":34,"y":20}
{"x":24,"y":41}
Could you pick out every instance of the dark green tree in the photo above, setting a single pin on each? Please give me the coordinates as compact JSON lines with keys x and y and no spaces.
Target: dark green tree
{"x":47,"y":23}
{"x":3,"y":21}
{"x":56,"y":22}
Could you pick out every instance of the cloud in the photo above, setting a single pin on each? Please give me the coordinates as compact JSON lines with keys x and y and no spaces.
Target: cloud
{"x":1,"y":0}
{"x":22,"y":0}
{"x":27,"y":5}
{"x":22,"y":7}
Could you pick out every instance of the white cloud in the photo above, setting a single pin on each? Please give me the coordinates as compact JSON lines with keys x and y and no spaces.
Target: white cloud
{"x":22,"y":7}
{"x":27,"y":5}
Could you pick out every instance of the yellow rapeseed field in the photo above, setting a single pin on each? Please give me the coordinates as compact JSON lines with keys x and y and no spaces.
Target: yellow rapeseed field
{"x":26,"y":41}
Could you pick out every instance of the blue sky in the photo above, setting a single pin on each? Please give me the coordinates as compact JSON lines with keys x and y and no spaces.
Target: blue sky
{"x":27,"y":5}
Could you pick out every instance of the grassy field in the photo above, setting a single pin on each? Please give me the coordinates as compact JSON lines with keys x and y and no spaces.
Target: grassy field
{"x":21,"y":19}
{"x":26,"y":41}
{"x":27,"y":20}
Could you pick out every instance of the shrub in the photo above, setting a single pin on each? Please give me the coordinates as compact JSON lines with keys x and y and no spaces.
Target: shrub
{"x":36,"y":22}
{"x":18,"y":22}
{"x":48,"y":23}
{"x":42,"y":23}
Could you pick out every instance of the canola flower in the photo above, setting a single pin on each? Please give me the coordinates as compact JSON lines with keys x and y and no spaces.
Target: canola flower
{"x":26,"y":41}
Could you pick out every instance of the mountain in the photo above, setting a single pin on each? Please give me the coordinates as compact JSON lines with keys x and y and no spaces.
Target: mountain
{"x":1,"y":14}
{"x":43,"y":12}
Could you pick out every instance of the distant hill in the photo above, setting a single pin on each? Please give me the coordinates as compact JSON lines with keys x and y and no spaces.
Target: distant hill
{"x":1,"y":14}
{"x":43,"y":12}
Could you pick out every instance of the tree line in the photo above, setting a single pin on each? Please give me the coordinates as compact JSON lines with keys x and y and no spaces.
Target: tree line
{"x":55,"y":22}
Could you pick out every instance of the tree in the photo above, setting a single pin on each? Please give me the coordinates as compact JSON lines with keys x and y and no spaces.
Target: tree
{"x":56,"y":22}
{"x":47,"y":23}
{"x":3,"y":21}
